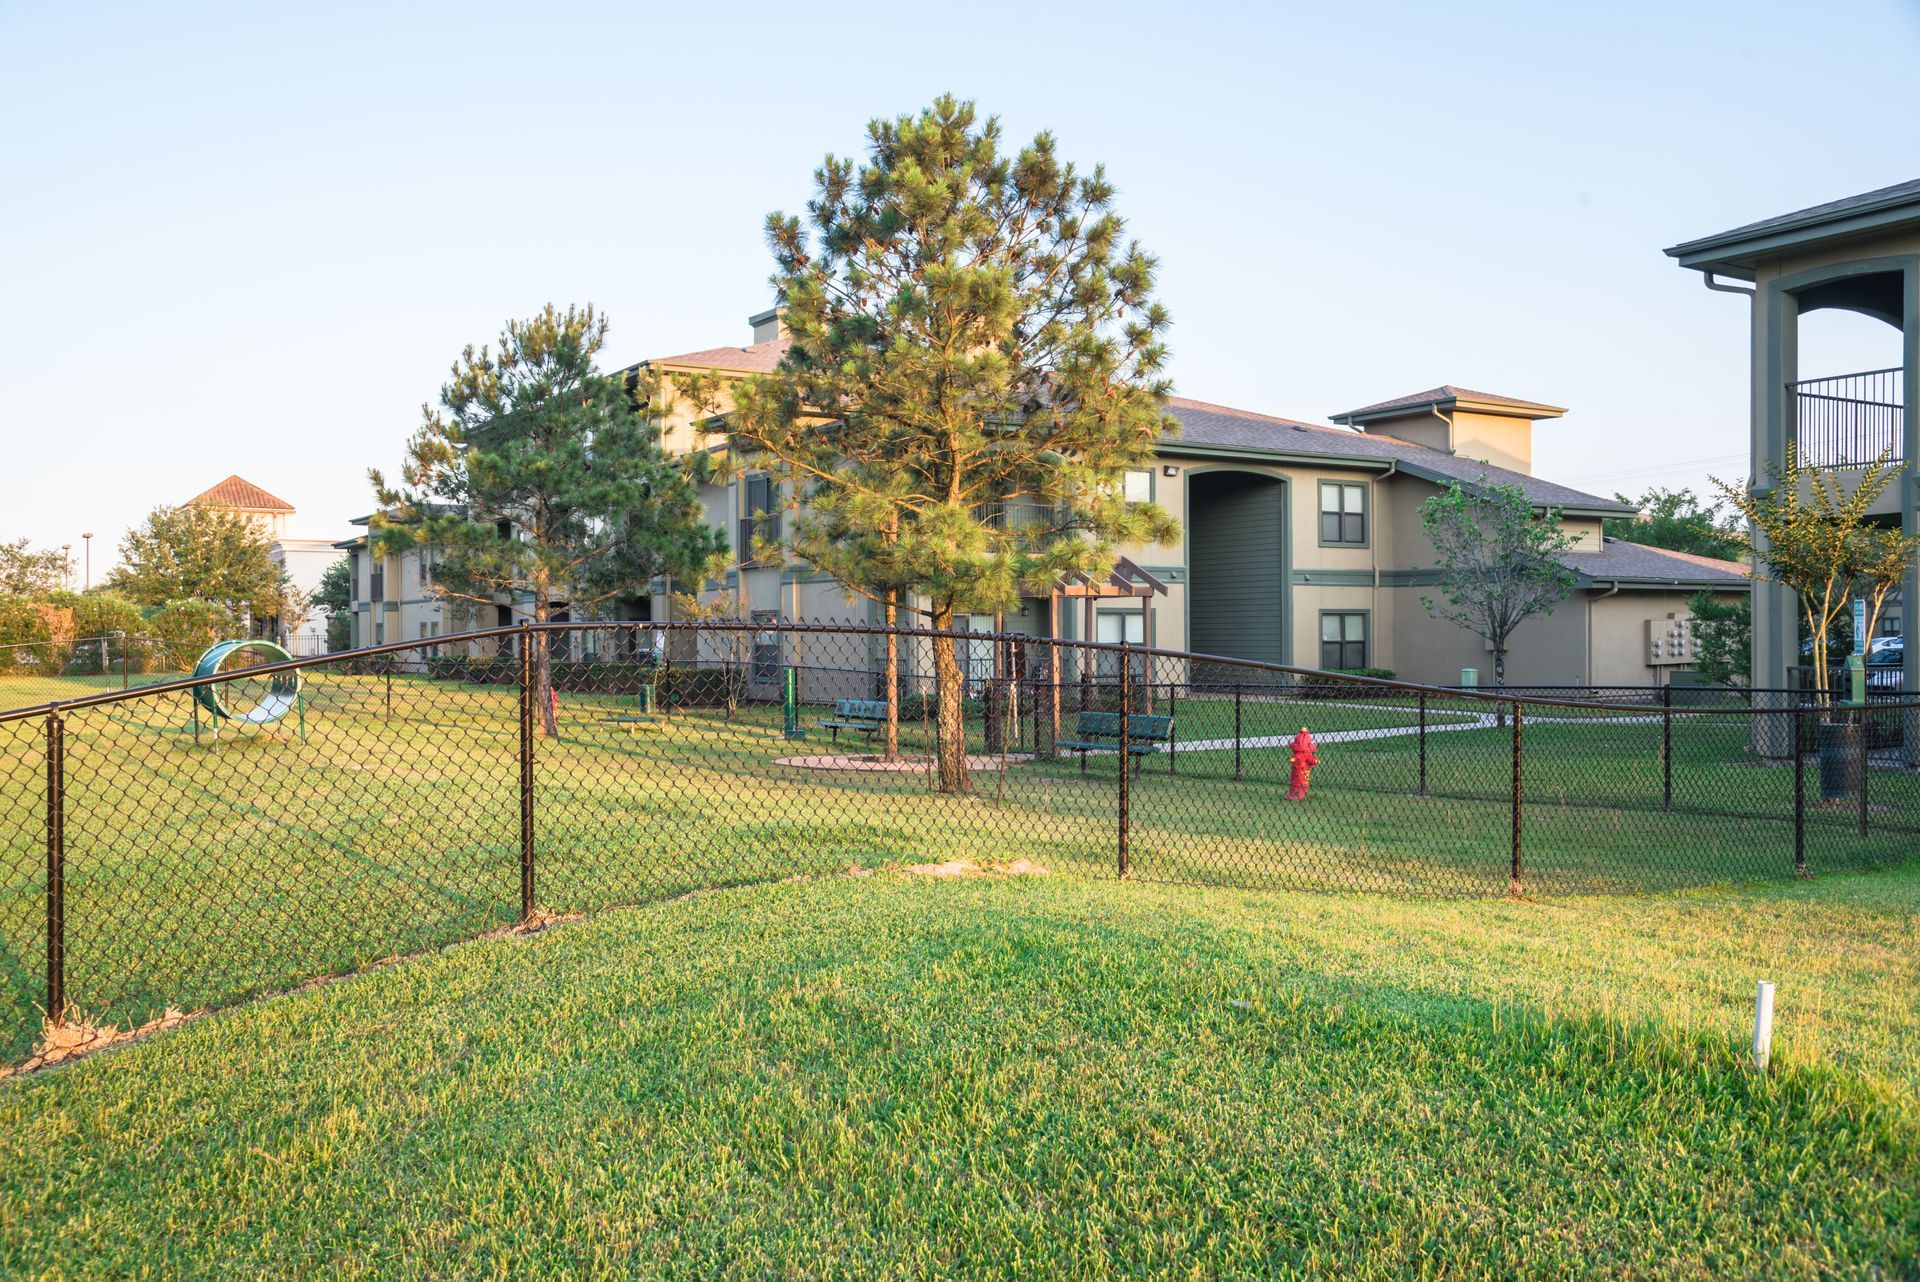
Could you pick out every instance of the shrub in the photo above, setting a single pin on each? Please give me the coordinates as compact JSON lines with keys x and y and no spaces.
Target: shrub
{"x":184,"y":629}
{"x":35,"y":634}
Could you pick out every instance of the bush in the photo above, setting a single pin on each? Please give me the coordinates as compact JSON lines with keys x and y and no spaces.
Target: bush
{"x":184,"y":630}
{"x":35,"y":634}
{"x":701,"y":687}
{"x":1331,"y":686}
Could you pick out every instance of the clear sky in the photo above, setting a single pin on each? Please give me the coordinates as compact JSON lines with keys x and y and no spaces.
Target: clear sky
{"x":251,"y":238}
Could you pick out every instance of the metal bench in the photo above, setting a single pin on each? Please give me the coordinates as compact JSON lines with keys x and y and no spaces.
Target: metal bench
{"x":642,"y":719}
{"x":1147,"y":733}
{"x":868,"y":716}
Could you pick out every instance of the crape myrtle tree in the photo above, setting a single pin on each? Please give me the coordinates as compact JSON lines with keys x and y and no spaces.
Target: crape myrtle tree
{"x":1805,"y":530}
{"x":540,"y":478}
{"x":1499,"y":561}
{"x":976,"y":360}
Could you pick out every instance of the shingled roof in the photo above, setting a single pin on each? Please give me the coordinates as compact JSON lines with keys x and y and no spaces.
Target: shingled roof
{"x":1218,"y":429}
{"x":1737,"y":250}
{"x":1619,"y":560}
{"x":1447,"y":396}
{"x":760,"y":358}
{"x":1221,"y":428}
{"x":241,"y":495}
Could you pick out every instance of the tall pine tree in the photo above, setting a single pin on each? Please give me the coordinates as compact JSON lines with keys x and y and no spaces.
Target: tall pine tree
{"x":540,"y":479}
{"x":976,"y":361}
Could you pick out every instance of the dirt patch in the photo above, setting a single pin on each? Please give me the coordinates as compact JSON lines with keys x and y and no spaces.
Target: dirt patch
{"x":74,"y":1038}
{"x":968,"y":868}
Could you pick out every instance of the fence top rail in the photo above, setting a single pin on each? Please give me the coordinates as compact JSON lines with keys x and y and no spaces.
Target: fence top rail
{"x":55,"y":641}
{"x":1489,"y":695}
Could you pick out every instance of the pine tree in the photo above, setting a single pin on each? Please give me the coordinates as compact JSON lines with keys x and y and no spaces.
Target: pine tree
{"x":540,"y":477}
{"x":976,"y":361}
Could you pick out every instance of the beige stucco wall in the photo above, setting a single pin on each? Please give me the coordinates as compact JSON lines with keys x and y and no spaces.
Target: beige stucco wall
{"x":1619,"y":630}
{"x":1549,"y":650}
{"x":1499,"y":439}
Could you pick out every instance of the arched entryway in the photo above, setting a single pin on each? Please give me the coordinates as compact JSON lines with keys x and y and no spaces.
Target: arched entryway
{"x":1236,"y":565}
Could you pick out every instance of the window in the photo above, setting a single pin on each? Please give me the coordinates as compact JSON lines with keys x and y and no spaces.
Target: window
{"x":1343,"y":640}
{"x":1343,"y":513}
{"x":1119,"y":627}
{"x":766,"y":649}
{"x":759,"y":516}
{"x":377,"y":581}
{"x":1139,"y":487}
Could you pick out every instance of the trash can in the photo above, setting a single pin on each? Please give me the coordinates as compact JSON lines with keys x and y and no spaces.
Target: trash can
{"x":1469,"y":677}
{"x":1840,"y":763}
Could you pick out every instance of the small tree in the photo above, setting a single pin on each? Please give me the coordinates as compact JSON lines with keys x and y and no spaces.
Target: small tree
{"x":199,"y":554}
{"x":1680,"y":521}
{"x":1499,"y":561}
{"x":27,"y":572}
{"x":976,"y":361}
{"x":1880,"y":558}
{"x":334,"y":594}
{"x":1722,"y":636}
{"x":543,"y":479}
{"x":1809,"y":541}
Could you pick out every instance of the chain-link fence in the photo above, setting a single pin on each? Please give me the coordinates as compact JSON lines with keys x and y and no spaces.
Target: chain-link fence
{"x":35,"y":673}
{"x":194,"y":843}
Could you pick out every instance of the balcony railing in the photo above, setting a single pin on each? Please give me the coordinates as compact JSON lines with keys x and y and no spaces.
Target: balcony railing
{"x":1848,"y":420}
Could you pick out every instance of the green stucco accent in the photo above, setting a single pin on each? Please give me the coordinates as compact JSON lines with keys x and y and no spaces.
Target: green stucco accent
{"x":1321,"y":578}
{"x":1236,"y":557}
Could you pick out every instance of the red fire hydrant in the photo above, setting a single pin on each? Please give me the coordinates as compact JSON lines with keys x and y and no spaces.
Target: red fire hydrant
{"x":1304,"y":761}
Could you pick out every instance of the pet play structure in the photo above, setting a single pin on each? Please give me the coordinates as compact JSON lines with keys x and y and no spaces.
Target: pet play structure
{"x":256,"y":700}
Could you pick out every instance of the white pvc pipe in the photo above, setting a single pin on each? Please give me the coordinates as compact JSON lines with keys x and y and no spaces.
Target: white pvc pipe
{"x":1763,"y":1025}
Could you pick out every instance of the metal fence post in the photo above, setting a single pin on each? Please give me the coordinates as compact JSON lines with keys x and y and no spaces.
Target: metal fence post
{"x":1513,"y":883}
{"x":1236,"y":730}
{"x":56,"y":870}
{"x":1173,"y":737}
{"x":1666,"y":747}
{"x":126,"y":648}
{"x":1799,"y":795}
{"x":1866,"y":734}
{"x":526,"y":771}
{"x":1126,"y":749}
{"x":1423,"y":743}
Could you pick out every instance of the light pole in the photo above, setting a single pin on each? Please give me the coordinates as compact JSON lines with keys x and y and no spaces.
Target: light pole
{"x":66,"y":554}
{"x":86,"y":543}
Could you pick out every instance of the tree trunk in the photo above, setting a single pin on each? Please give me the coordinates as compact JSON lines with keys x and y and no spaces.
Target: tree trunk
{"x":947,"y":719}
{"x":893,"y":680}
{"x":543,"y":669}
{"x":1500,"y":679}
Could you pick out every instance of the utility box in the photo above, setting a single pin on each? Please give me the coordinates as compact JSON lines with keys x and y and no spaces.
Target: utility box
{"x":1469,"y":677}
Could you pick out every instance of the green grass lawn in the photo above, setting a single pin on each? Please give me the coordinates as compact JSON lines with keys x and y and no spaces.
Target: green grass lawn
{"x":197,"y":875}
{"x":1032,"y":1077}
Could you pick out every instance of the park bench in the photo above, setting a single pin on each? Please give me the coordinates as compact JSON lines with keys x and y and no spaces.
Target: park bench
{"x":641,"y":717}
{"x":1147,"y":733}
{"x":868,"y":716}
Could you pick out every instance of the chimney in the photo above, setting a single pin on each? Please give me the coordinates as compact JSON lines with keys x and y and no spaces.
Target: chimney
{"x":767,"y":325}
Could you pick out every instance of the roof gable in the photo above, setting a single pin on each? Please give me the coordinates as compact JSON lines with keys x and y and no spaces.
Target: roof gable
{"x":1447,"y":396}
{"x":240,"y":495}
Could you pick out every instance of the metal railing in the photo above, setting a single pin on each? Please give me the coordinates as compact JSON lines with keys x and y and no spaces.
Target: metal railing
{"x":199,"y":841}
{"x":1848,"y":420}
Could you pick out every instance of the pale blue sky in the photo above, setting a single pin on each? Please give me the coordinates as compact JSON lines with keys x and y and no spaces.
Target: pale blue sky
{"x":251,"y":238}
